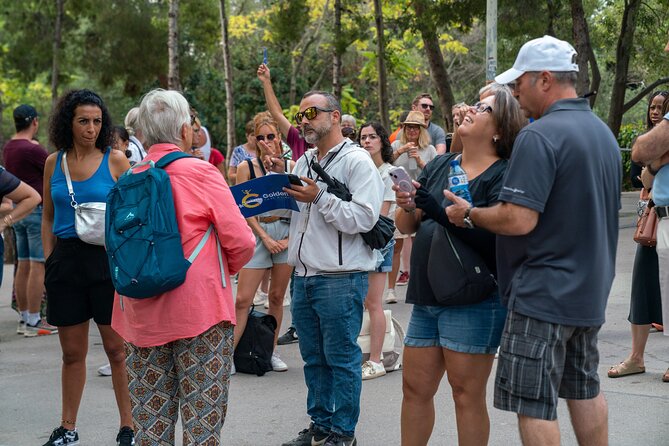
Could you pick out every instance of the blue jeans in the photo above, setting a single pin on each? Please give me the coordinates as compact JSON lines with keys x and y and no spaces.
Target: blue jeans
{"x":29,"y":237}
{"x":327,"y":314}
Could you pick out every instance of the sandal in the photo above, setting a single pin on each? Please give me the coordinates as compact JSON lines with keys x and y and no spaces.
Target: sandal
{"x":665,"y":377}
{"x":626,"y":368}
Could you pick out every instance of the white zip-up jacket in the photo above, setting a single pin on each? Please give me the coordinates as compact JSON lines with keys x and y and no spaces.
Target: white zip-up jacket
{"x":325,"y":234}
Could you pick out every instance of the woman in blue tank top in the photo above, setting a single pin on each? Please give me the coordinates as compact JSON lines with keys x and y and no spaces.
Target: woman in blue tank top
{"x":77,"y":278}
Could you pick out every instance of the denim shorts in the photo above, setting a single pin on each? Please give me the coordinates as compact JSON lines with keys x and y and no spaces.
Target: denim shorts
{"x":465,"y":328}
{"x":384,"y":257}
{"x":540,"y":362}
{"x":262,"y":258}
{"x":29,"y":237}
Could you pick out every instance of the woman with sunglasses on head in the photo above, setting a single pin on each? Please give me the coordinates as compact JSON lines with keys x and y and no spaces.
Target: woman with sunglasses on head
{"x":374,"y":139}
{"x":460,"y":341}
{"x":77,"y":278}
{"x":271,"y":230}
{"x":646,"y":299}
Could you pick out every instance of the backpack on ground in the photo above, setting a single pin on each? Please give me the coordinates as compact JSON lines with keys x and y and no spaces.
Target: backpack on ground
{"x":254,"y":351}
{"x":143,"y":242}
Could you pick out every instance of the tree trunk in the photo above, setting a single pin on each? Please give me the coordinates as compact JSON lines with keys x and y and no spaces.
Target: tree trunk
{"x":579,"y":31}
{"x":440,"y":77}
{"x":57,"y":37}
{"x":229,"y":94}
{"x":381,"y":65}
{"x":336,"y":58}
{"x":623,"y":53}
{"x":553,"y":17}
{"x":173,"y":82}
{"x":596,"y":77}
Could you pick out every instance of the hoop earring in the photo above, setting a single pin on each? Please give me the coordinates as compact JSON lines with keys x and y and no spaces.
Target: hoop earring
{"x":495,"y":139}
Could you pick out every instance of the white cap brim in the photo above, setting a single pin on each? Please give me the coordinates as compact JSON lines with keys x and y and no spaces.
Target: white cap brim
{"x":508,"y":76}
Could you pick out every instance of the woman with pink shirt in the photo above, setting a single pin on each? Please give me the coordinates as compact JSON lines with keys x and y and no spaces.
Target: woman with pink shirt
{"x":180,"y":343}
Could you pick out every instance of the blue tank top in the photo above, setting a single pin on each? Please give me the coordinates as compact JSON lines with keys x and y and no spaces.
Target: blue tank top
{"x":93,"y":189}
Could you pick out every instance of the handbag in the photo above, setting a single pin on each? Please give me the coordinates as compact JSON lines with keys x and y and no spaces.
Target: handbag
{"x":381,"y":233}
{"x":646,"y":226}
{"x":456,"y":273}
{"x":89,"y":218}
{"x":253,"y":354}
{"x":391,"y":349}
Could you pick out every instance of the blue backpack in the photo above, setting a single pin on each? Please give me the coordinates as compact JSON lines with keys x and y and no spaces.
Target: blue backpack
{"x":143,"y":242}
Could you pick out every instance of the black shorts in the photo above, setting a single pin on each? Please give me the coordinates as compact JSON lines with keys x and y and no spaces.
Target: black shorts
{"x":78,"y":284}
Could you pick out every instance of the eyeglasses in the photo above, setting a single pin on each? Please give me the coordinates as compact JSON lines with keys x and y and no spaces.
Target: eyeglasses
{"x":426,"y":106}
{"x":270,"y":137}
{"x":481,"y":108}
{"x":371,"y":137}
{"x":411,"y":127}
{"x":192,"y":119}
{"x":310,"y":113}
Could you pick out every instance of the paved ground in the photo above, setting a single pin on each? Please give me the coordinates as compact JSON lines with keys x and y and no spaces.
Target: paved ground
{"x":270,"y":409}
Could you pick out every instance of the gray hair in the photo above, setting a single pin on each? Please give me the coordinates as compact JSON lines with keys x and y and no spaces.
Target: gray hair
{"x":162,"y":113}
{"x":491,"y":89}
{"x":348,"y":118}
{"x":331,"y":100}
{"x":130,"y":122}
{"x":560,"y":77}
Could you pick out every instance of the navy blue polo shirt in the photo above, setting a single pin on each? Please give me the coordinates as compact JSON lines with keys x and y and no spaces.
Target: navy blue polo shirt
{"x":566,"y":166}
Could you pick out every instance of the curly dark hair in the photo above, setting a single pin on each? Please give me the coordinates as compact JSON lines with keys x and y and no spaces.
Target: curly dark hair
{"x":386,"y":148}
{"x":60,"y":123}
{"x":664,"y":94}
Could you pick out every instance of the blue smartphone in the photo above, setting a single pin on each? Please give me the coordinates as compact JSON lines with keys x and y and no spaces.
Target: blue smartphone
{"x":264,"y":55}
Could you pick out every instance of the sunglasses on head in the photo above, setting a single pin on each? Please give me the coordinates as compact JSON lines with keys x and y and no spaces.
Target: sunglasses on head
{"x":481,"y":108}
{"x":269,"y":137}
{"x":192,"y":119}
{"x":426,"y":106}
{"x":310,"y":113}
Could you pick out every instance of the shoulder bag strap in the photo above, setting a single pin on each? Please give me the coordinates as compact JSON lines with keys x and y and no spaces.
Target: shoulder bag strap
{"x":252,"y":171}
{"x":70,"y":190}
{"x":199,"y":247}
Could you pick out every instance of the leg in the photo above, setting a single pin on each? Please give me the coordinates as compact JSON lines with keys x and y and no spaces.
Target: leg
{"x":392,"y":277}
{"x":590,"y":420}
{"x":406,"y":254}
{"x":203,"y":365}
{"x":264,"y":285}
{"x":35,"y":286}
{"x":74,"y":343}
{"x":21,"y":285}
{"x":468,"y":375}
{"x":537,"y":432}
{"x":249,"y":279}
{"x":277,"y":290}
{"x":663,"y":262}
{"x":377,"y":319}
{"x":153,"y":390}
{"x":423,"y":370}
{"x":115,"y":350}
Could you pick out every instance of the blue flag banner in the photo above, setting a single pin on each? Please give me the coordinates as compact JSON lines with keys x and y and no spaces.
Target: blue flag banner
{"x":263,"y":194}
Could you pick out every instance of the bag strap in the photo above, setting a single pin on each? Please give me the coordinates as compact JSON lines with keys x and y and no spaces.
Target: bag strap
{"x":170,"y":157}
{"x":200,"y":246}
{"x":70,"y":190}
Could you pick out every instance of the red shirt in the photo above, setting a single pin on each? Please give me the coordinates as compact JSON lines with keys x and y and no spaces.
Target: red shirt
{"x":201,"y":198}
{"x":216,"y":157}
{"x":25,"y":160}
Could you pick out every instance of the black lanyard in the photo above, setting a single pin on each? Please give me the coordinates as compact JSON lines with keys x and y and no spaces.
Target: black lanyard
{"x":334,"y":154}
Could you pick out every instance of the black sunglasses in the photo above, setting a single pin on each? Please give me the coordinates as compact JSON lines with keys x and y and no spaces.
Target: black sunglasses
{"x":270,"y":137}
{"x":480,"y":107}
{"x":426,"y":106}
{"x":310,"y":113}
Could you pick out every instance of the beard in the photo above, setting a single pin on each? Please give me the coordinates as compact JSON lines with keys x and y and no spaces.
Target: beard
{"x":313,"y":135}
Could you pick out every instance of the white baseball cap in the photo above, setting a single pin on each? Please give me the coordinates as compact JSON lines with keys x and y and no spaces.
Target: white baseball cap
{"x":543,"y":54}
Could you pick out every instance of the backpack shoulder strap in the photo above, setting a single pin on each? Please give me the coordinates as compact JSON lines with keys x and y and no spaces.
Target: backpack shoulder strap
{"x":170,"y":157}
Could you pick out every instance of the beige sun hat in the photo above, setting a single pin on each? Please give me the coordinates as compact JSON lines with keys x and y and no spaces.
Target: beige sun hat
{"x":415,"y":117}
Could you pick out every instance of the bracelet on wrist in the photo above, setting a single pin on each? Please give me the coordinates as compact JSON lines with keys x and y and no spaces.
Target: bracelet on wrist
{"x":8,"y":220}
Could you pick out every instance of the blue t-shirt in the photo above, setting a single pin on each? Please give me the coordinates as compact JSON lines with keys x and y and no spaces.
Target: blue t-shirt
{"x":93,"y":189}
{"x":567,"y":167}
{"x":661,"y":183}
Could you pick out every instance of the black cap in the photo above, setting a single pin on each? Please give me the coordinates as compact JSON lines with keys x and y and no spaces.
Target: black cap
{"x":24,"y":113}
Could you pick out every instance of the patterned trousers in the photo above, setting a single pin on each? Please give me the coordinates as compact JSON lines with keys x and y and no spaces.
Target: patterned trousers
{"x":193,"y":373}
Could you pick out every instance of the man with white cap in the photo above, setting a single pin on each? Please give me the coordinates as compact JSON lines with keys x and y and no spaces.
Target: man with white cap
{"x":557,"y":222}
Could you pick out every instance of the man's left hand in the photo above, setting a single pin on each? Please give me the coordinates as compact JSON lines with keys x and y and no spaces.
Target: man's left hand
{"x":456,"y":211}
{"x":304,"y":194}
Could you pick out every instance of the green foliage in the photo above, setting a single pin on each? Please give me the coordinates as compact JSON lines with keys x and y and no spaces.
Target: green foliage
{"x":626,"y":137}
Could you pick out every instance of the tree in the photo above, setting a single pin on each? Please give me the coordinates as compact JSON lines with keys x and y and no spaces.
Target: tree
{"x":57,"y":36}
{"x":381,"y":65}
{"x":585,"y":56}
{"x":173,"y":81}
{"x":338,"y":51}
{"x":229,"y":94}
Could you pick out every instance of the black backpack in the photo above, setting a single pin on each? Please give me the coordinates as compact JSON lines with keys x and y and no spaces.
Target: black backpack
{"x":254,"y":351}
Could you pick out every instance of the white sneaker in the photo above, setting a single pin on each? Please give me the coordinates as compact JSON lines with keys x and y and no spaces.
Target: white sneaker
{"x":105,"y":370}
{"x":391,"y":298}
{"x":260,"y":298}
{"x":371,"y":370}
{"x":21,"y":328}
{"x":277,"y":364}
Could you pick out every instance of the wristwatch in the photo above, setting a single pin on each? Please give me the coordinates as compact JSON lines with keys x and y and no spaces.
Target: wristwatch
{"x":467,"y":219}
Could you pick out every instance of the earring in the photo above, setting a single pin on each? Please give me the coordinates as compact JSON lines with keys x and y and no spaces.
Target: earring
{"x":495,"y":139}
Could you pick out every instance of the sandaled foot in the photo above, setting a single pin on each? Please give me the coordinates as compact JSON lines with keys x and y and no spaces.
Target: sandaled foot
{"x":625,"y":368}
{"x":665,"y":377}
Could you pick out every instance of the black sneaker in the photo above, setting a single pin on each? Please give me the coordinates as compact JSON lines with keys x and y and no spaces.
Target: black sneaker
{"x":61,"y":437}
{"x":289,"y":337}
{"x":125,"y":437}
{"x":312,"y":436}
{"x":335,"y":439}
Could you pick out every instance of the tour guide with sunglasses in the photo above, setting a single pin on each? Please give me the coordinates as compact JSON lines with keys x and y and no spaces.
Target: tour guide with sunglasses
{"x":331,"y":263}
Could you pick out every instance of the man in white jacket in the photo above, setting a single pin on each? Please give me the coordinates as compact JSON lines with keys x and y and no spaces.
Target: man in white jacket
{"x":331,"y":263}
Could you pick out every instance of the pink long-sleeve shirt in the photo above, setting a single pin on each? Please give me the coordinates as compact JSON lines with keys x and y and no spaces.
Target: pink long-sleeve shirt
{"x":201,"y":198}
